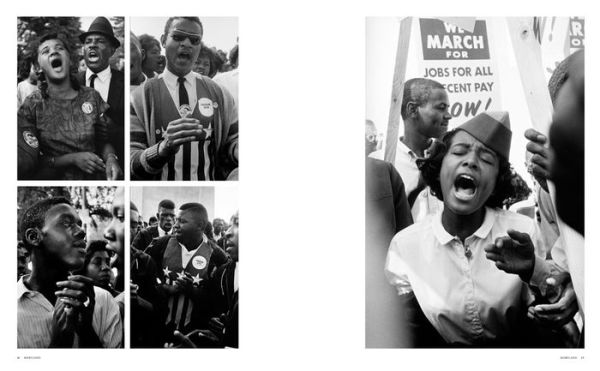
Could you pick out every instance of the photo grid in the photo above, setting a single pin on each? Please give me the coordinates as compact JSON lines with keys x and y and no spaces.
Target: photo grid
{"x":86,"y":170}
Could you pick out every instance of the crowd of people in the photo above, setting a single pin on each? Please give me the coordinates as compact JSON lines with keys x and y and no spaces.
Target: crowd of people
{"x":183,"y":278}
{"x":465,"y":270}
{"x":71,"y":120}
{"x":184,"y":117}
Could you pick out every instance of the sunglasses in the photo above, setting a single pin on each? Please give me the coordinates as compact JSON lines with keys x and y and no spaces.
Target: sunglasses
{"x":180,"y":37}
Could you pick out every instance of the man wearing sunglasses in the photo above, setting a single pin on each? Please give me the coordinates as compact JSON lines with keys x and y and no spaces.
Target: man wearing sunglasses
{"x":183,"y":125}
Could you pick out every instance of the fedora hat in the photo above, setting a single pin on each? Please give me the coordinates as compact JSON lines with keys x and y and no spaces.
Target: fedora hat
{"x":491,"y":128}
{"x":102,"y":26}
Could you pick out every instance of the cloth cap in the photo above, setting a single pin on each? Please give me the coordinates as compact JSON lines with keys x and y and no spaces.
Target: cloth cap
{"x":491,"y":128}
{"x":102,"y":26}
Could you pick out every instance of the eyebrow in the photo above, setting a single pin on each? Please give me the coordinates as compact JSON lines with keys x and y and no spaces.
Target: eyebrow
{"x":185,"y":32}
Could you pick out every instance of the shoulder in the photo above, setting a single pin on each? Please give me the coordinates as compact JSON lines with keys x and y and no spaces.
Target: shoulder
{"x":103,"y":297}
{"x":32,"y":99}
{"x":414,"y":236}
{"x":511,"y":219}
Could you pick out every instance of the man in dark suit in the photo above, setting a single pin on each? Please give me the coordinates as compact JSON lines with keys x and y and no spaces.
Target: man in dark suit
{"x":99,"y":44}
{"x":166,"y":218}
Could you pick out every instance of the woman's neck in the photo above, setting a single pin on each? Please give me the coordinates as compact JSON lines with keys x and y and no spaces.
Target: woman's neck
{"x":61,"y":90}
{"x":462,"y":226}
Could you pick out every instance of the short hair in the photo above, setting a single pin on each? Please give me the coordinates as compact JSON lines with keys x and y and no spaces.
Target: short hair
{"x":417,"y":90}
{"x":93,"y":247}
{"x":197,"y":209}
{"x":233,"y":56}
{"x":35,"y":214}
{"x":559,"y":76}
{"x":218,"y":219}
{"x":147,"y":42}
{"x":191,"y":19}
{"x":132,"y":207}
{"x":152,"y":219}
{"x":430,"y":170}
{"x":42,"y":83}
{"x":166,"y":204}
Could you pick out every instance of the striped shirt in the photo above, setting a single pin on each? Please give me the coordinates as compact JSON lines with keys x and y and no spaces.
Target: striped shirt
{"x":34,"y":319}
{"x":157,"y":104}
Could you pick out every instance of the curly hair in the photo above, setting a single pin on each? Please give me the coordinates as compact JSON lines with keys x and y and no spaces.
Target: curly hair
{"x":42,"y":82}
{"x":431,"y":166}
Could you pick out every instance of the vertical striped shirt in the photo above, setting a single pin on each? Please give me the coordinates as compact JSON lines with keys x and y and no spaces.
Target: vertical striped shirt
{"x":34,"y":319}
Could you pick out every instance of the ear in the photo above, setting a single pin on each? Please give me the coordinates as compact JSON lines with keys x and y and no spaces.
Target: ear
{"x":163,"y":40}
{"x":143,"y":55}
{"x":411,"y":108}
{"x":33,"y":236}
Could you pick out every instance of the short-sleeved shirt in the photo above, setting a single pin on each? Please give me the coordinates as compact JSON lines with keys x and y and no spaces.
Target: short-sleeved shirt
{"x":64,"y":126}
{"x":34,"y":319}
{"x":464,"y":295}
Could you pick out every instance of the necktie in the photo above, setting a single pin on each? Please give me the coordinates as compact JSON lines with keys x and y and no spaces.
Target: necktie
{"x":187,"y":148}
{"x":183,"y":95}
{"x":92,"y":78}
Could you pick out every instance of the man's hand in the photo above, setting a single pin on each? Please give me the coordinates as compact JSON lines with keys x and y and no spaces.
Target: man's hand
{"x":113,"y":170}
{"x":64,"y":321}
{"x":559,"y":313}
{"x":513,"y":254}
{"x":87,"y":161}
{"x":78,"y":292}
{"x":539,"y":165}
{"x":178,"y":132}
{"x":185,"y":283}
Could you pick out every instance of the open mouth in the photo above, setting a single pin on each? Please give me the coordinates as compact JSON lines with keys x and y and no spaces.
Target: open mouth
{"x":465,"y":187}
{"x":187,"y":56}
{"x":56,"y":64}
{"x":93,"y":56}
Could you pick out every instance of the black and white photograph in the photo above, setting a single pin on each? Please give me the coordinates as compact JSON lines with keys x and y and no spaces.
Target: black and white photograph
{"x":184,"y":267}
{"x":70,"y":98}
{"x":474,"y":138}
{"x":184,"y":98}
{"x":70,"y":267}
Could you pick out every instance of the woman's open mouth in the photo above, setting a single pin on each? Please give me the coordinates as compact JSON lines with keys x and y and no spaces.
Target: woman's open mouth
{"x":465,"y":187}
{"x":56,"y":64}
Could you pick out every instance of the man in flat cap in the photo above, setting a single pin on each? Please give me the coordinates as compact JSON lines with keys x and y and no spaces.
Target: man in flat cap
{"x":99,"y":44}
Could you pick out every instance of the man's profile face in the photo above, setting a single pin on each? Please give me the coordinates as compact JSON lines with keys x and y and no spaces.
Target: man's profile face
{"x":166,"y":218}
{"x":232,"y":239}
{"x":63,"y":239}
{"x":115,"y":233}
{"x":133,"y":224}
{"x":182,"y":46}
{"x":97,"y":50}
{"x":433,"y":116}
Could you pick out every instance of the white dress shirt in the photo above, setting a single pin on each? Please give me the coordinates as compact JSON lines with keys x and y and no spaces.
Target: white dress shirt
{"x":101,"y":83}
{"x":406,"y":164}
{"x":35,"y":312}
{"x":467,"y":300}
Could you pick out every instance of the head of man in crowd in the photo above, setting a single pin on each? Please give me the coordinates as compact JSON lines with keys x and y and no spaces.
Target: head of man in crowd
{"x":424,"y":111}
{"x":166,"y":215}
{"x":190,"y":224}
{"x":232,"y":238}
{"x":115,"y":232}
{"x":52,"y":232}
{"x":22,"y":260}
{"x":182,"y":40}
{"x":218,"y":225}
{"x":134,"y":215}
{"x":151,"y":54}
{"x":370,"y":137}
{"x":99,"y":44}
{"x":233,"y":57}
{"x":152,"y":222}
{"x":136,"y":58}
